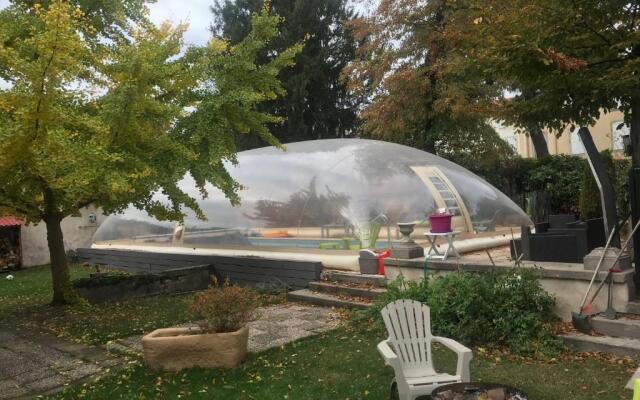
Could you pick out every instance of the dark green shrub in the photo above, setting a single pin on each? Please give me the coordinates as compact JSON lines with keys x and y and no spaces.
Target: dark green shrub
{"x":501,"y":309}
{"x":559,"y":178}
{"x":590,"y":202}
{"x":621,"y":187}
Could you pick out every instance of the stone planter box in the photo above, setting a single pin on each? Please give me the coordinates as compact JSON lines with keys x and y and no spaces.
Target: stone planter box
{"x":104,"y":288}
{"x":175,"y":349}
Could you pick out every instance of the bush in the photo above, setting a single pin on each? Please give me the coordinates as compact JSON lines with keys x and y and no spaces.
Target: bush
{"x":590,"y":201}
{"x":225,"y":308}
{"x":560,"y":184}
{"x":502,"y":309}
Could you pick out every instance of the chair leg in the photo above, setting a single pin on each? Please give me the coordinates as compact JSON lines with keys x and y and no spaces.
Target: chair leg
{"x":400,"y":392}
{"x":393,"y":390}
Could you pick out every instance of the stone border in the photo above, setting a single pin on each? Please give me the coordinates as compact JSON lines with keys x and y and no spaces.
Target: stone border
{"x":547,"y":269}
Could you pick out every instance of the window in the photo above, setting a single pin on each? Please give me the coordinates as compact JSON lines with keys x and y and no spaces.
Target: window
{"x":617,"y":134}
{"x":576,"y":143}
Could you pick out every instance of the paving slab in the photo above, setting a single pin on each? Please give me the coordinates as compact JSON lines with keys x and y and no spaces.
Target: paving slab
{"x":275,"y":326}
{"x":34,"y":363}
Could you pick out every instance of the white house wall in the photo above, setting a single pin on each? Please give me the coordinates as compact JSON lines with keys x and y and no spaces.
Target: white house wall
{"x":77,"y":232}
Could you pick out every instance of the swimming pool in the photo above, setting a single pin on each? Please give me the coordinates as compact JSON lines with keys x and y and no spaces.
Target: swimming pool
{"x":307,"y":243}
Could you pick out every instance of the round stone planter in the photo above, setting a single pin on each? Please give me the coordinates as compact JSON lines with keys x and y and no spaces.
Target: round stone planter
{"x":175,"y":349}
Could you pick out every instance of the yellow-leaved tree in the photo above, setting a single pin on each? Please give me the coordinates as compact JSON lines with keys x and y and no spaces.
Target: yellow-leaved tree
{"x":85,"y":120}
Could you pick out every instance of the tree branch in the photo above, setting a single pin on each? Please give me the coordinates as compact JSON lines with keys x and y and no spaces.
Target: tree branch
{"x":614,"y":60}
{"x":44,"y":75}
{"x":78,"y":206}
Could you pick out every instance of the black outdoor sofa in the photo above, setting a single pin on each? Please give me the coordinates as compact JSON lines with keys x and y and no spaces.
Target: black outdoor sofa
{"x":562,"y":238}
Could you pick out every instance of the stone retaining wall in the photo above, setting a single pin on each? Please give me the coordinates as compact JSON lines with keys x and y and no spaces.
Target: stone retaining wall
{"x":115,"y":288}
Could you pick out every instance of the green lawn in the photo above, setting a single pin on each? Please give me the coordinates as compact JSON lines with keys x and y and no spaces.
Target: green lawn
{"x":24,"y":302}
{"x":342,"y":364}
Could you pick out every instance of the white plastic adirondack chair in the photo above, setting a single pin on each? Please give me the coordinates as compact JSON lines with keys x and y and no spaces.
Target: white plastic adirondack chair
{"x":408,"y":350}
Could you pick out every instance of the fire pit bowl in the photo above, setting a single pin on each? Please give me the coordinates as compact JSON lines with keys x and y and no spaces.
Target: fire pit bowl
{"x":477,"y":391}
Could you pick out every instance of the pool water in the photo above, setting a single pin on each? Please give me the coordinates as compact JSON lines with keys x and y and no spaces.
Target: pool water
{"x":307,"y":243}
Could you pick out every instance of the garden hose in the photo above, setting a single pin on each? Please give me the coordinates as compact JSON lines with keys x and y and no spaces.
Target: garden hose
{"x":424,"y":267}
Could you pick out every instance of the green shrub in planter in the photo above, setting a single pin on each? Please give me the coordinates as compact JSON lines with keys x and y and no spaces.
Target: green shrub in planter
{"x":503,"y":309}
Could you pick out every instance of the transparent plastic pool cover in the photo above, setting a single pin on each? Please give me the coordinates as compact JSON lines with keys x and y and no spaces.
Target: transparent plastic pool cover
{"x":325,"y":188}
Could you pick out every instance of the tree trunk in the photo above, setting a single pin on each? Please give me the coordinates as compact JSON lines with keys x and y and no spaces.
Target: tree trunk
{"x":539,"y":142}
{"x":59,"y":267}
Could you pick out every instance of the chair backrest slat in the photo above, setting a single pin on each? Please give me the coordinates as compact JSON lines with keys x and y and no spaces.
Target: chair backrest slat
{"x":408,"y":324}
{"x":394,"y":327}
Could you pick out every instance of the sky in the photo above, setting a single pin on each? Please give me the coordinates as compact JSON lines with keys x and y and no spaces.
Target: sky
{"x":194,"y":12}
{"x":197,"y":14}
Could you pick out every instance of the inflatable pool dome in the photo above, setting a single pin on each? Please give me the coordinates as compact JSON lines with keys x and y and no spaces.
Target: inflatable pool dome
{"x":322,"y":189}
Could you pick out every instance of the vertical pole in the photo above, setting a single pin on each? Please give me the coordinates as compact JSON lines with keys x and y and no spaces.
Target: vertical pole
{"x":634,"y":178}
{"x":634,"y":196}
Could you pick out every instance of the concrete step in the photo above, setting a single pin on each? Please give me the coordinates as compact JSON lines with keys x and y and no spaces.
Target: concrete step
{"x":325,"y":299}
{"x":353,"y":278}
{"x":622,"y":327}
{"x":366,"y":292}
{"x":602,"y":344}
{"x":633,"y":307}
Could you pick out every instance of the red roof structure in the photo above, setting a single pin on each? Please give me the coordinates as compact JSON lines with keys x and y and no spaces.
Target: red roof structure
{"x":9,"y":220}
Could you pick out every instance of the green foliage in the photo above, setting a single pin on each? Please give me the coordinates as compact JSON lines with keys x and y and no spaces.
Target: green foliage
{"x":316,"y":105}
{"x":621,"y":187}
{"x":564,"y":61}
{"x":590,"y":201}
{"x":559,"y":177}
{"x":500,"y":309}
{"x":565,"y":183}
{"x":111,"y":125}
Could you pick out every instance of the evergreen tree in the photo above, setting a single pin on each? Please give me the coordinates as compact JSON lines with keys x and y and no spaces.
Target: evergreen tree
{"x":317,"y":104}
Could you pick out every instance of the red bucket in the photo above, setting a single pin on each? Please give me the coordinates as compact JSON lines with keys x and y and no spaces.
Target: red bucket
{"x":440,"y":223}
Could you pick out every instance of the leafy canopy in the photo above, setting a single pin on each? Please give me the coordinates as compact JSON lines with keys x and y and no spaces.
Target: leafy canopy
{"x":113,"y":124}
{"x":399,"y":69}
{"x":317,"y":104}
{"x":564,"y":61}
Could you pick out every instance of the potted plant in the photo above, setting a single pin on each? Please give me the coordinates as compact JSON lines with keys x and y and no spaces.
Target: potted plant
{"x":440,"y":221}
{"x":219,"y":340}
{"x":368,"y":258}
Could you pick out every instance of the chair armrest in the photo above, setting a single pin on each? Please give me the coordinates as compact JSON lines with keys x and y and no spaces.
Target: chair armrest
{"x":464,"y":356}
{"x":390,"y":358}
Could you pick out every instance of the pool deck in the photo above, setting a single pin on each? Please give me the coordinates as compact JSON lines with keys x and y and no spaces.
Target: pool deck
{"x":346,"y":260}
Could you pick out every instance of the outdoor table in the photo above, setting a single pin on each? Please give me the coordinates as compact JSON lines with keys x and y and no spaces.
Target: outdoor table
{"x":433,"y":248}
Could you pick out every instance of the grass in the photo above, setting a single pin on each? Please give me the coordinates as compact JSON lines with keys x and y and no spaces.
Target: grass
{"x":30,"y":287}
{"x":24,"y":302}
{"x":343,"y":364}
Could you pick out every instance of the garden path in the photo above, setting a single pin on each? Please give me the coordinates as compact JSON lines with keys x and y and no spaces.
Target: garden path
{"x":275,"y":326}
{"x":34,"y":363}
